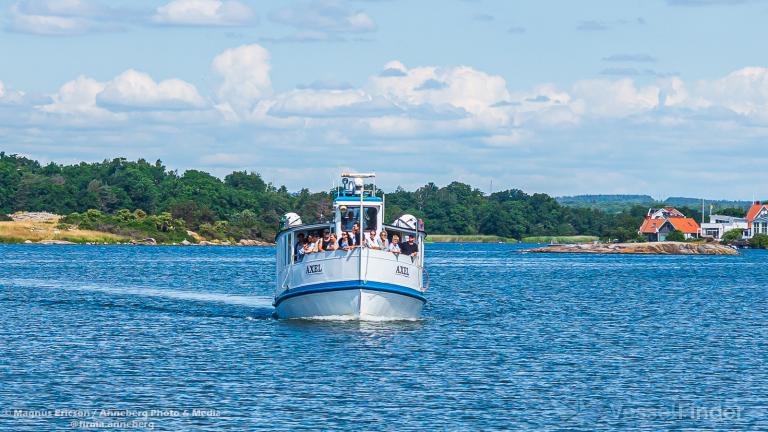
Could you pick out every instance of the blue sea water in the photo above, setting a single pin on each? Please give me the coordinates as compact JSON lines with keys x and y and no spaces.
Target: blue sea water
{"x":91,"y":336}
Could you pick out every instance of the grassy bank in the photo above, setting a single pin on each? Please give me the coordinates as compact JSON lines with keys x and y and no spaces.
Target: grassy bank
{"x":452,"y":238}
{"x":34,"y":231}
{"x":559,"y":239}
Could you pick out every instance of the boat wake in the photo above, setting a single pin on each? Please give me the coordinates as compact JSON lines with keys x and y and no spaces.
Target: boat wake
{"x":262,"y":304}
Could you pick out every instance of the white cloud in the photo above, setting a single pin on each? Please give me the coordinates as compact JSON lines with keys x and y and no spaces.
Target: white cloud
{"x":62,"y":7}
{"x":245,"y":79}
{"x":85,"y":99}
{"x":45,"y":24}
{"x":744,"y":91}
{"x":462,"y":87}
{"x":448,"y":117}
{"x":204,"y":12}
{"x":606,"y":98}
{"x":11,"y":97}
{"x":324,"y":17}
{"x":77,"y":97}
{"x":134,"y":90}
{"x":544,"y":105}
{"x":59,"y":17}
{"x":330,"y":103}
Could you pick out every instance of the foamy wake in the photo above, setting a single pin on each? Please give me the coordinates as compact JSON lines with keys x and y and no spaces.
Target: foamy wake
{"x":241,"y":300}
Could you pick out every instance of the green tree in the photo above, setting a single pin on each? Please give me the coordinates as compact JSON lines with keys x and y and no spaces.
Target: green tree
{"x":676,"y":235}
{"x":733,"y":235}
{"x":759,"y":241}
{"x":730,"y":211}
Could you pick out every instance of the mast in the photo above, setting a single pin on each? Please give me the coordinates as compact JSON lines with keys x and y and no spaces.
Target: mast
{"x":362,"y":237}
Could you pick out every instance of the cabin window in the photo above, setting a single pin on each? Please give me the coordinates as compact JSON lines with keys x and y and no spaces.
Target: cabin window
{"x":352,"y":216}
{"x":370,"y":220}
{"x":349,"y":217}
{"x":287,"y":250}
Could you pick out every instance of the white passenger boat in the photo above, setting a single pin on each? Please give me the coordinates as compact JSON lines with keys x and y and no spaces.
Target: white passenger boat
{"x":360,"y":283}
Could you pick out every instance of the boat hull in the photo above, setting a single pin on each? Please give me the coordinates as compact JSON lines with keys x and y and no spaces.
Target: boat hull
{"x":354,"y":302}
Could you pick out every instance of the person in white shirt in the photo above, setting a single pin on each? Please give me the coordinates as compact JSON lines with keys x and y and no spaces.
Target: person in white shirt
{"x":394,"y":245}
{"x":371,"y":241}
{"x":383,"y":241}
{"x":311,"y":245}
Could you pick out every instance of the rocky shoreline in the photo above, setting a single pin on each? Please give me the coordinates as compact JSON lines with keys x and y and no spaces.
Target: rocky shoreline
{"x":659,"y":248}
{"x":41,"y":228}
{"x":152,"y":242}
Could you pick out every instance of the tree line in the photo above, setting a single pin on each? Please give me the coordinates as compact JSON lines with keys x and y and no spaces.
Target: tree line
{"x":103,"y":195}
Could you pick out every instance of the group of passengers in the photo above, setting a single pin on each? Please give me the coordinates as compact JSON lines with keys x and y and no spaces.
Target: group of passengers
{"x":351,"y":239}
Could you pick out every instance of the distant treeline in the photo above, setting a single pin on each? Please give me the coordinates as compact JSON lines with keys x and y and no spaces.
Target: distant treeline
{"x":122,"y":193}
{"x":618,"y":203}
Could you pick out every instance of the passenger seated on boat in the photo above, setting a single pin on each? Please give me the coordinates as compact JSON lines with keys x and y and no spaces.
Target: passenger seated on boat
{"x":299,"y":253}
{"x":347,"y":219}
{"x":333,"y":245}
{"x":299,"y":244}
{"x":356,"y":238}
{"x":410,"y":247}
{"x":394,"y":245}
{"x":325,"y":242}
{"x":371,"y":241}
{"x":344,"y":243}
{"x":383,"y":241}
{"x":311,"y":245}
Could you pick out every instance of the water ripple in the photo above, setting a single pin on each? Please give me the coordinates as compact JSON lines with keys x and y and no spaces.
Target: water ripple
{"x":508,"y":341}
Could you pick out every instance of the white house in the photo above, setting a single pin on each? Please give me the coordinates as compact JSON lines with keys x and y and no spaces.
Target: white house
{"x":659,"y":223}
{"x":757,"y":219}
{"x":719,"y":225}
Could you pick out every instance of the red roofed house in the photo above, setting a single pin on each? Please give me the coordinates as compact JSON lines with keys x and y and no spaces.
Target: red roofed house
{"x":659,"y":223}
{"x":757,"y":219}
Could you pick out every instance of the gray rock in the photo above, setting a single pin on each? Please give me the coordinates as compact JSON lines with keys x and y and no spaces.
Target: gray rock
{"x":55,"y":242}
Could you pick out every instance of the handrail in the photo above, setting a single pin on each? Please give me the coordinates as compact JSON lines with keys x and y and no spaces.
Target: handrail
{"x":335,"y":254}
{"x":287,"y":274}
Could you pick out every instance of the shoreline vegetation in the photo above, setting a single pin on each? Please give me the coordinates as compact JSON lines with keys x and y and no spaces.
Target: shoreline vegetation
{"x":454,"y":238}
{"x":48,"y":228}
{"x":143,"y":202}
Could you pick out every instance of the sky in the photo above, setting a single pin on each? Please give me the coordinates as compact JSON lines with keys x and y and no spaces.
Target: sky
{"x":657,"y":97}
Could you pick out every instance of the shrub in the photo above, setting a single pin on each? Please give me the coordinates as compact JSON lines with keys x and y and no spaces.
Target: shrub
{"x":759,"y":241}
{"x":732,"y":235}
{"x":676,"y":235}
{"x":5,"y":218}
{"x":163,"y":227}
{"x":94,"y":214}
{"x":72,"y":218}
{"x":124,"y":215}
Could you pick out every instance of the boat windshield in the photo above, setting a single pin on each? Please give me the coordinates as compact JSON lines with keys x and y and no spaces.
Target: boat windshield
{"x":352,"y":216}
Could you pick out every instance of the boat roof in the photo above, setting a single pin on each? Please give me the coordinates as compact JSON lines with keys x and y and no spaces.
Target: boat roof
{"x":356,"y":198}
